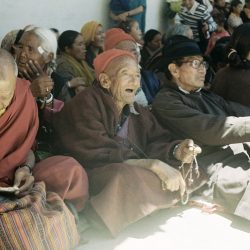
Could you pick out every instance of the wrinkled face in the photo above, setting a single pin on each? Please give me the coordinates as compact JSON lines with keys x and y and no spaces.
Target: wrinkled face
{"x":155,"y":43}
{"x":188,"y":3}
{"x":190,"y":75}
{"x":78,"y":49}
{"x":7,"y":88}
{"x":124,"y":80}
{"x":29,"y":48}
{"x":135,"y":31}
{"x":99,"y":37}
{"x":131,"y":47}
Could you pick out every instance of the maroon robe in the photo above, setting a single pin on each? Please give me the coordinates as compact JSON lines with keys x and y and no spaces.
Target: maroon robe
{"x":18,"y":128}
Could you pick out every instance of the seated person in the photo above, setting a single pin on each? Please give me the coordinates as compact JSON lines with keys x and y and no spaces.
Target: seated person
{"x":71,"y":61}
{"x":216,"y":35}
{"x":29,"y":212}
{"x":220,"y":127}
{"x":245,"y":13}
{"x":218,"y":55}
{"x":234,"y":20}
{"x":232,"y":82}
{"x":35,"y":54}
{"x":93,"y":35}
{"x":131,"y":27}
{"x":173,"y":29}
{"x":9,"y":39}
{"x":116,"y":38}
{"x":122,"y":145}
{"x":152,"y":43}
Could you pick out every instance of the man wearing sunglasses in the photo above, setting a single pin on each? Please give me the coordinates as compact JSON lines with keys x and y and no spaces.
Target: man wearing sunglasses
{"x":221,"y":128}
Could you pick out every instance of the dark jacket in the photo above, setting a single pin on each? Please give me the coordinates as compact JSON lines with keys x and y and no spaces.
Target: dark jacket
{"x":233,"y":85}
{"x":220,"y":128}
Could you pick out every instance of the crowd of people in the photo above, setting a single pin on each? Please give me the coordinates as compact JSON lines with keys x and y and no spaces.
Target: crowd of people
{"x":115,"y":124}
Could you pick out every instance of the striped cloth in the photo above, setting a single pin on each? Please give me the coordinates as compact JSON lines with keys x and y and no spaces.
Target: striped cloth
{"x":198,"y":13}
{"x":38,"y":221}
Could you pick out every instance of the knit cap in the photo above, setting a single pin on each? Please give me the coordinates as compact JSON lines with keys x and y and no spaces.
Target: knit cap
{"x":102,"y":61}
{"x":114,"y":36}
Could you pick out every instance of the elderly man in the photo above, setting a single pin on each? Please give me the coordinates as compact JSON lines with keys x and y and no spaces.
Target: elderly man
{"x":122,"y":145}
{"x":18,"y":172}
{"x":218,"y":126}
{"x":150,"y":85}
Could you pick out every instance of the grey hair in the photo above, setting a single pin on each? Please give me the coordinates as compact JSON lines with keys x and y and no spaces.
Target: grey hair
{"x":177,"y":29}
{"x":48,"y":40}
{"x":6,"y":61}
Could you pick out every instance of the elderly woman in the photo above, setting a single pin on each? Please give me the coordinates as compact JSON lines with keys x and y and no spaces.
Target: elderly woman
{"x":35,"y":55}
{"x":35,"y":59}
{"x":93,"y":35}
{"x":36,"y":219}
{"x":122,"y":145}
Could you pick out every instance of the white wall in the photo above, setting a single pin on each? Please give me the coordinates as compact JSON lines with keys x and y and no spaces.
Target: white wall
{"x":63,"y":14}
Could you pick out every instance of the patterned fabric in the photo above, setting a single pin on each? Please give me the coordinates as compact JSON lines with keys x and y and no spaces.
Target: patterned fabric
{"x":195,"y":17}
{"x":37,"y":221}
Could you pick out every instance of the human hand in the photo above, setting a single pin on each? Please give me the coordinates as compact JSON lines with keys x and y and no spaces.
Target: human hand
{"x":186,"y":151}
{"x":122,"y":17}
{"x":171,"y":178}
{"x":41,"y":86}
{"x":40,"y":83}
{"x":77,"y":81}
{"x":31,"y":70}
{"x":23,"y":179}
{"x":204,"y":27}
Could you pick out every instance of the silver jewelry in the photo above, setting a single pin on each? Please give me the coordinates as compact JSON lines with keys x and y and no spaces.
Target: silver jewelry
{"x":187,"y":175}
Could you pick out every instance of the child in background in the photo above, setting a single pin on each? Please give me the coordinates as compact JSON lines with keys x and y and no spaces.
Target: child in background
{"x":131,"y":26}
{"x":219,"y":33}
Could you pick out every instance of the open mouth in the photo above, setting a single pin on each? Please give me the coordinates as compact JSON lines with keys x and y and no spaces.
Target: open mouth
{"x":129,"y":90}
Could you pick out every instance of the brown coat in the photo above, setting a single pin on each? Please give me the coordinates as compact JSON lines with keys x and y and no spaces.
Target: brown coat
{"x":120,"y":193}
{"x":86,"y":129}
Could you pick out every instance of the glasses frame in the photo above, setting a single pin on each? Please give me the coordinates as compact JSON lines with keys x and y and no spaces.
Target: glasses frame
{"x":195,"y":65}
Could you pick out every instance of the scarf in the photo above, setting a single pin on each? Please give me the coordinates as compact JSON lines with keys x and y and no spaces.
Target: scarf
{"x":81,"y":69}
{"x":18,"y":128}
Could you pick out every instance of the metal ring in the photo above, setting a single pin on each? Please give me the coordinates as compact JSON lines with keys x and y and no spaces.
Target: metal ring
{"x":37,"y":74}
